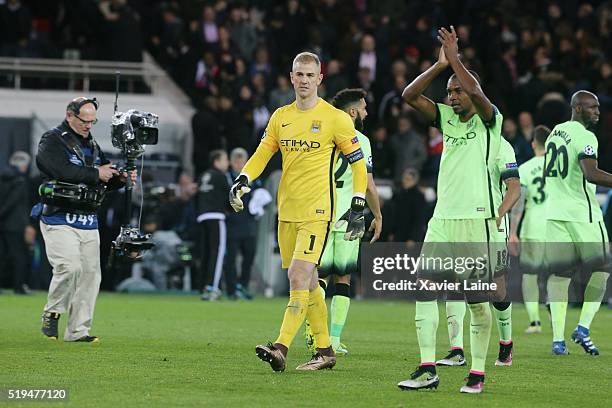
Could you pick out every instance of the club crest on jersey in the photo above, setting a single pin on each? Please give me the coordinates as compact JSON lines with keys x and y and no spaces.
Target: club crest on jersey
{"x":471,"y":123}
{"x":316,"y":126}
{"x":589,"y":150}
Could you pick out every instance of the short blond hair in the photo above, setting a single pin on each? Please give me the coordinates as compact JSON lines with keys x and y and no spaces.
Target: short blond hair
{"x":306,"y":58}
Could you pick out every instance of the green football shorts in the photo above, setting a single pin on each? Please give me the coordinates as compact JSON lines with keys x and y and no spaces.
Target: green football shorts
{"x":576,"y":245}
{"x":532,"y":257}
{"x":463,"y":250}
{"x":339,"y":256}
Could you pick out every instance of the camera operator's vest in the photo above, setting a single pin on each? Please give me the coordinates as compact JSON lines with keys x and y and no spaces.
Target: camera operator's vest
{"x":74,"y":204}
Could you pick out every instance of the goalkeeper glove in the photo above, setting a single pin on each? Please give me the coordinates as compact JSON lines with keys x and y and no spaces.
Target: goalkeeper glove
{"x":353,"y":219}
{"x":240,"y":188}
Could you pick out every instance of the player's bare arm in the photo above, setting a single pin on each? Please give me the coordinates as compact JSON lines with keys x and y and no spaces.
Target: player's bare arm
{"x":469,"y":84}
{"x":516,"y":213}
{"x":593,"y":174}
{"x":413,"y":93}
{"x":513,"y":193}
{"x":374,"y":204}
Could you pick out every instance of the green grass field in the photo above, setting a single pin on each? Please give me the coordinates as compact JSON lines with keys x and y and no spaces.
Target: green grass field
{"x":161,"y":350}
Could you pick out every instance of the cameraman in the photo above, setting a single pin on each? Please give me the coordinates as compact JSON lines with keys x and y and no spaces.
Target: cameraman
{"x":69,"y":154}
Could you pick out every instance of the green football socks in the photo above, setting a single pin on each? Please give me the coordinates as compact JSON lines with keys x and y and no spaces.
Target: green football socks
{"x":480,"y":334}
{"x":503,"y":317}
{"x":593,"y":295}
{"x":455,"y":313}
{"x":557,"y":293}
{"x":426,"y":320}
{"x":531,"y":295}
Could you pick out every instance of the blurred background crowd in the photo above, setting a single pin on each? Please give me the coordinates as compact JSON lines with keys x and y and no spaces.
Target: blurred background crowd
{"x":232,"y":59}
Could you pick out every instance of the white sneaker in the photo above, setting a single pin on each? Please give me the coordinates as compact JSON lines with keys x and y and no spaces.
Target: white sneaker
{"x":211,"y":294}
{"x":534,"y":328}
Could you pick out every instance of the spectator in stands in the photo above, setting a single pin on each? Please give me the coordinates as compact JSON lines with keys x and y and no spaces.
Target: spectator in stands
{"x":434,"y":154}
{"x":234,"y":131}
{"x":208,"y":27}
{"x":241,"y":234}
{"x":261,"y":64}
{"x":14,"y":219}
{"x":212,"y":207}
{"x":526,"y":125}
{"x":15,"y":26}
{"x":261,"y":116}
{"x":364,"y":79}
{"x":282,"y":95}
{"x":206,"y":133}
{"x":122,"y":31}
{"x":408,"y":146}
{"x":519,"y":143}
{"x":392,"y":103}
{"x":552,"y":109}
{"x":368,"y":57}
{"x":242,"y":32}
{"x":382,"y":153}
{"x":206,"y":73}
{"x":409,"y":208}
{"x":335,"y":80}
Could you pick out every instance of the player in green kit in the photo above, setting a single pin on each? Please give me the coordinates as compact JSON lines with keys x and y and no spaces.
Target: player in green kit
{"x":506,"y":192}
{"x":528,"y":227}
{"x":574,"y":219}
{"x":340,"y":256}
{"x":465,"y":211}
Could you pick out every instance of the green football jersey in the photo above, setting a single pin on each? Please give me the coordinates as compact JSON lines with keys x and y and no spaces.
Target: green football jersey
{"x":570,"y":197}
{"x":505,"y":168}
{"x":533,"y":223}
{"x":470,"y":149}
{"x":344,"y":179}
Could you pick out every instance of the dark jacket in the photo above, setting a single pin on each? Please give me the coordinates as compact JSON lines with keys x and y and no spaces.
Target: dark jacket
{"x":213,"y":193}
{"x":15,"y":203}
{"x":54,"y":157}
{"x":57,"y":162}
{"x":409,"y":219}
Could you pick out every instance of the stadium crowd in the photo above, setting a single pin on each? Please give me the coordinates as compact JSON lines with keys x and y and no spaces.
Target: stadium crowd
{"x":233,"y":58}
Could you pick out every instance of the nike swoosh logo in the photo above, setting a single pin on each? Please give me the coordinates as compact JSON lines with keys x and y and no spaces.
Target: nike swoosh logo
{"x":308,"y":253}
{"x":449,"y":122}
{"x":285,"y":124}
{"x":448,"y":317}
{"x":420,"y":320}
{"x":503,"y":320}
{"x":475,"y":325}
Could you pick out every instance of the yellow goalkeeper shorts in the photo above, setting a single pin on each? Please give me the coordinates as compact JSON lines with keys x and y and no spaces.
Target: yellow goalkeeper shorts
{"x":302,"y":240}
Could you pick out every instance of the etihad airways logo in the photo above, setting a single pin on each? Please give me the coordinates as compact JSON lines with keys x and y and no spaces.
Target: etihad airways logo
{"x":297,"y":145}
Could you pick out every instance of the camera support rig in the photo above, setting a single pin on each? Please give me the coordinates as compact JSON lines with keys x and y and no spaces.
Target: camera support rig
{"x":130,"y":131}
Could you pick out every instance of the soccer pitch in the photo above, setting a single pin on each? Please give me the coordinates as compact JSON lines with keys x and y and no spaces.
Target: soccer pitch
{"x":162,"y":350}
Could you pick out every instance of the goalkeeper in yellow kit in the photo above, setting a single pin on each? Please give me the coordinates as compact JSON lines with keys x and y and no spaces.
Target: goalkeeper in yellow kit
{"x":310,"y":133}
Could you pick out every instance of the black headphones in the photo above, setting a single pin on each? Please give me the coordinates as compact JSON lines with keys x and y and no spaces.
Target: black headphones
{"x":76,"y":104}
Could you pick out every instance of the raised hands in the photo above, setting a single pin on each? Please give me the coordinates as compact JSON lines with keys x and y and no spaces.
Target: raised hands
{"x":448,"y":39}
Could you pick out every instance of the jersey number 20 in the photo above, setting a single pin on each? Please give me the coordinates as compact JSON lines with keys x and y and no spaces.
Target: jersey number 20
{"x":557,"y":161}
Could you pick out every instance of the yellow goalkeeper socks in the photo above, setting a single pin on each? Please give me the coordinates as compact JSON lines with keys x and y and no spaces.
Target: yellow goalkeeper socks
{"x":295,"y":313}
{"x":317,"y":316}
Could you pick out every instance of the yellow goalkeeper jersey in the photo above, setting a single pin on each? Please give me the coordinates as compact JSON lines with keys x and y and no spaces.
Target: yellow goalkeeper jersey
{"x":310,"y":142}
